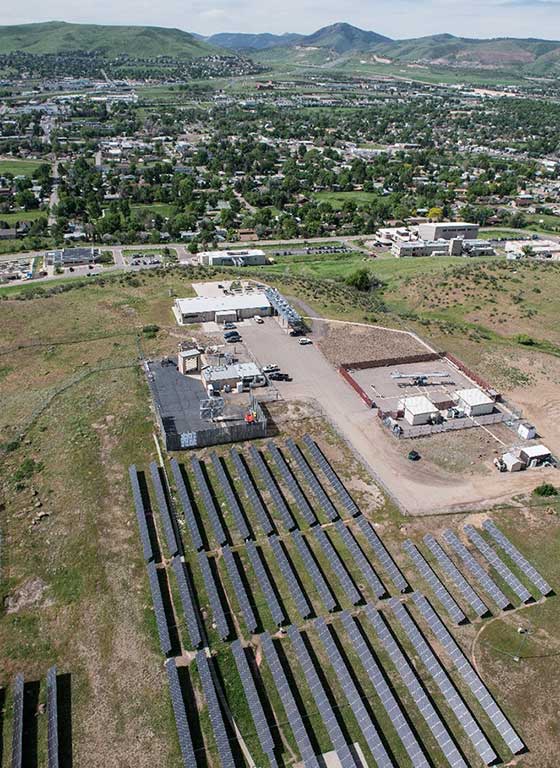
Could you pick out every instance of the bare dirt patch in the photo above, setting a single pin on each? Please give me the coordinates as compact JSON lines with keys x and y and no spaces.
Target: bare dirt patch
{"x":347,"y":343}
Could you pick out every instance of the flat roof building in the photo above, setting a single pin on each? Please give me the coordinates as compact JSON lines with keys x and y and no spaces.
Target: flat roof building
{"x":203,"y":309}
{"x":241,"y":258}
{"x":221,"y":376}
{"x":418,"y":410}
{"x":474,"y":402}
{"x":448,"y":230}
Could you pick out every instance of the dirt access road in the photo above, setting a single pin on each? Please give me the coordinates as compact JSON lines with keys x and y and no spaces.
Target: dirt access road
{"x":418,"y":487}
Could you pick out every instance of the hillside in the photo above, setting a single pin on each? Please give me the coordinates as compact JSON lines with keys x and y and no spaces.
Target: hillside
{"x":109,"y":41}
{"x":239,"y":41}
{"x":342,"y":38}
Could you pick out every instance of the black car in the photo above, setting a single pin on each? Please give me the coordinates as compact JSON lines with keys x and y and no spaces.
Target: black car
{"x":233,"y":339}
{"x":277,"y":376}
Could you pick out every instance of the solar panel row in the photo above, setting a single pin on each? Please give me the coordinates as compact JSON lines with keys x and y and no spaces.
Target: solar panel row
{"x":382,"y":554}
{"x":208,"y":501}
{"x":140,"y":514}
{"x":231,"y":499}
{"x":359,"y":557}
{"x":239,"y":589}
{"x":338,"y":566}
{"x":181,"y":720}
{"x":186,"y":594}
{"x":347,"y":501}
{"x":479,"y":607}
{"x":17,"y":723}
{"x":164,"y":511}
{"x":265,"y":584}
{"x":302,"y":603}
{"x":213,"y":596}
{"x":188,"y":510}
{"x":499,"y":566}
{"x":435,"y":584}
{"x":159,"y":610}
{"x":52,"y":719}
{"x":277,"y":498}
{"x":326,"y":504}
{"x":297,"y":494}
{"x":246,"y":482}
{"x":522,"y":563}
{"x":324,"y":590}
{"x":216,"y":718}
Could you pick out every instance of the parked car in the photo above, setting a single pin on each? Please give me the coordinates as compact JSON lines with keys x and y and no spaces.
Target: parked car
{"x":277,"y":376}
{"x":233,"y":339}
{"x":229,"y":326}
{"x":227,"y":334}
{"x":305,"y":341}
{"x":270,"y":368}
{"x":259,"y":320}
{"x":414,"y":456}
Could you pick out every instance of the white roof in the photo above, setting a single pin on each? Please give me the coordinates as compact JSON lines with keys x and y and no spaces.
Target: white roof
{"x":200,"y":304}
{"x":536,"y":451}
{"x":511,"y":460}
{"x":474,"y":396}
{"x":234,"y":371}
{"x":419,"y":405}
{"x":233,"y":253}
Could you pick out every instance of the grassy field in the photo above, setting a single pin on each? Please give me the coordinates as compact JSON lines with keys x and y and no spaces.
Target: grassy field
{"x":13,"y":218}
{"x":337,"y":199}
{"x":163,"y":209}
{"x":19,"y":167}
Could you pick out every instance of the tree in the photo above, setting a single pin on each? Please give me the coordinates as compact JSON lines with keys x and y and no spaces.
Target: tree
{"x":435,"y":213}
{"x":361,"y":280}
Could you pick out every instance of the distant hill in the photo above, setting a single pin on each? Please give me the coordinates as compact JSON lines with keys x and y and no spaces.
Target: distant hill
{"x":109,"y":41}
{"x":240,"y":41}
{"x":342,"y":38}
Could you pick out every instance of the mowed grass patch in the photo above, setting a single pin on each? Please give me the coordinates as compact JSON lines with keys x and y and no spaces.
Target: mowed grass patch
{"x":20,"y":167}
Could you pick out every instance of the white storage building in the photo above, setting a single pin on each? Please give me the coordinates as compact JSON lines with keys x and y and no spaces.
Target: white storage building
{"x":418,"y":410}
{"x":448,"y":230}
{"x":474,"y":402}
{"x":240,"y":258}
{"x":203,"y":309}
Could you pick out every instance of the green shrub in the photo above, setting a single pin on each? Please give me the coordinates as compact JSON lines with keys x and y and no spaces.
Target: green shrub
{"x":545,"y":490}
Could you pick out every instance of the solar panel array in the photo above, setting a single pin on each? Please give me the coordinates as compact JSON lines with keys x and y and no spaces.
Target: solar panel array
{"x":17,"y":725}
{"x":522,"y":563}
{"x":52,"y":719}
{"x":325,"y":592}
{"x":297,"y":494}
{"x":188,"y":510}
{"x":213,"y":596}
{"x":347,"y":501}
{"x":164,"y":511}
{"x":300,"y":598}
{"x":360,"y":559}
{"x":247,"y":483}
{"x":214,"y":711}
{"x":417,"y":692}
{"x":338,"y":566}
{"x":265,"y":584}
{"x":346,"y":681}
{"x":159,"y":610}
{"x":499,"y":566}
{"x":272,"y":488}
{"x":181,"y":720}
{"x":443,"y":682}
{"x":186,"y":595}
{"x":140,"y":514}
{"x":322,"y":700}
{"x":326,"y":504}
{"x":489,"y":586}
{"x":435,"y":584}
{"x":479,"y":607}
{"x":208,"y":501}
{"x":239,"y":589}
{"x":231,"y":499}
{"x":382,"y":553}
{"x":289,"y":703}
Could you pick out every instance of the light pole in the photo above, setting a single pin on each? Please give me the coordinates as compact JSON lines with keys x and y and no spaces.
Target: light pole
{"x":524,"y":635}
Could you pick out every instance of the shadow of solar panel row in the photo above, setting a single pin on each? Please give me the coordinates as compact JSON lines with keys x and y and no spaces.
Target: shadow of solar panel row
{"x":322,"y":700}
{"x":270,"y":484}
{"x":474,"y":567}
{"x":443,"y":682}
{"x":255,"y":706}
{"x":499,"y":566}
{"x":471,"y":678}
{"x":186,"y":594}
{"x":181,"y":720}
{"x":231,"y":499}
{"x":338,"y":566}
{"x":347,"y":501}
{"x":214,"y":711}
{"x":52,"y":719}
{"x":299,"y":498}
{"x":436,"y":585}
{"x":164,"y":511}
{"x":302,"y":603}
{"x":311,"y":479}
{"x":246,"y":482}
{"x":159,"y":610}
{"x":188,"y":511}
{"x":265,"y":584}
{"x":325,"y":592}
{"x":478,"y":606}
{"x":239,"y":589}
{"x":383,"y":691}
{"x":140,"y":514}
{"x":416,"y":690}
{"x":346,"y":681}
{"x":213,"y":596}
{"x":208,"y":502}
{"x":289,"y":703}
{"x":382,"y":554}
{"x":522,"y":563}
{"x":17,"y":723}
{"x":360,"y":559}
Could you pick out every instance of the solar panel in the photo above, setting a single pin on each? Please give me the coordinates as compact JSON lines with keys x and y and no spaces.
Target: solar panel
{"x":208,"y":501}
{"x":435,"y":584}
{"x":186,"y":594}
{"x":239,"y":589}
{"x":416,"y":690}
{"x":159,"y":610}
{"x":471,"y":678}
{"x":140,"y":514}
{"x":247,"y":484}
{"x":302,"y":603}
{"x":338,"y":566}
{"x":17,"y":725}
{"x":213,"y":596}
{"x":231,"y":499}
{"x":522,"y":563}
{"x":52,"y":719}
{"x":272,"y":488}
{"x":346,"y":681}
{"x":164,"y":510}
{"x":499,"y":566}
{"x":361,"y":560}
{"x":383,"y":554}
{"x":289,"y":703}
{"x":181,"y":720}
{"x":257,"y":712}
{"x":472,"y":565}
{"x":385,"y":694}
{"x":325,"y":592}
{"x":347,"y":501}
{"x":443,"y":682}
{"x":187,"y":506}
{"x":322,"y":700}
{"x":297,"y":494}
{"x":479,"y":607}
{"x":265,"y":584}
{"x":326,"y":504}
{"x":214,"y":711}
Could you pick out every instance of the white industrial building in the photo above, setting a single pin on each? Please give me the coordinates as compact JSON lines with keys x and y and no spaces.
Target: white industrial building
{"x":221,"y":309}
{"x":455,"y":247}
{"x":448,"y":230}
{"x":418,"y":410}
{"x":535,"y":455}
{"x":474,"y":402}
{"x":231,"y":376}
{"x":241,"y":258}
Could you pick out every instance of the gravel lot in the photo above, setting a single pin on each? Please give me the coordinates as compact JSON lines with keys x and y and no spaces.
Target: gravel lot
{"x":348,"y":343}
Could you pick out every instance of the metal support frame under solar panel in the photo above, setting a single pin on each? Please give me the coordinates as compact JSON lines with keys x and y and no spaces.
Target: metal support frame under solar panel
{"x":214,"y":711}
{"x":299,"y":497}
{"x":239,"y":589}
{"x":311,"y":479}
{"x":347,"y":501}
{"x":164,"y":511}
{"x":141,"y":514}
{"x":213,"y":596}
{"x":301,"y":600}
{"x":208,"y":501}
{"x":159,"y":610}
{"x":338,"y":566}
{"x":231,"y":499}
{"x":17,"y":722}
{"x":188,"y":510}
{"x":181,"y":719}
{"x":265,"y":584}
{"x":247,"y":484}
{"x":498,"y":565}
{"x":437,"y":587}
{"x":520,"y":560}
{"x":272,"y":488}
{"x":325,"y":592}
{"x":360,"y":559}
{"x":445,"y":562}
{"x":52,"y":719}
{"x":187,"y":597}
{"x":382,"y":553}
